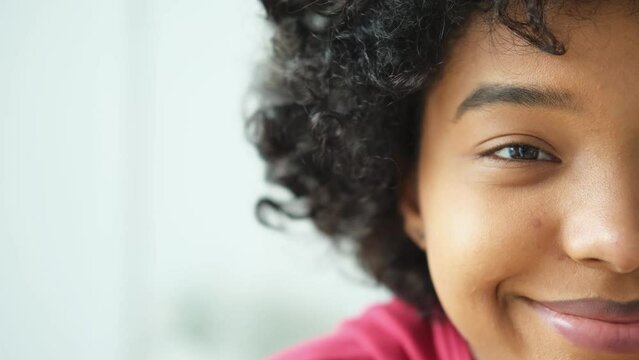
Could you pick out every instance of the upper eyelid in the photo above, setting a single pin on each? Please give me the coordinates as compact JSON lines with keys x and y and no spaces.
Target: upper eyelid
{"x":536,"y":139}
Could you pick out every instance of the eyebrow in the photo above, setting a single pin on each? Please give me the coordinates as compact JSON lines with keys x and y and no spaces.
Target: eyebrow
{"x":526,"y":95}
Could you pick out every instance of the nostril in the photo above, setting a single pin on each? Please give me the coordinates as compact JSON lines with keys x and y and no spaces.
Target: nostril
{"x":591,"y":261}
{"x":616,"y":266}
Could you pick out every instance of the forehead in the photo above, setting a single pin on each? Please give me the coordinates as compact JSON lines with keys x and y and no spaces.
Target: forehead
{"x":600,"y":66}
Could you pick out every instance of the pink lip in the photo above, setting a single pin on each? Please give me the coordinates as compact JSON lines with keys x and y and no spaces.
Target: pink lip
{"x":595,"y":324}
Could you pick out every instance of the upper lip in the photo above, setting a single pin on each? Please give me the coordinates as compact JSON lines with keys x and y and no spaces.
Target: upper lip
{"x":597,"y":309}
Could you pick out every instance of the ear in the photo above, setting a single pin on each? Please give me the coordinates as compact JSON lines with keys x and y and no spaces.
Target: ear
{"x":409,"y":208}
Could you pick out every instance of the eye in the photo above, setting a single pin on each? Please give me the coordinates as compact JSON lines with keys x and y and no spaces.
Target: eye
{"x":518,"y":152}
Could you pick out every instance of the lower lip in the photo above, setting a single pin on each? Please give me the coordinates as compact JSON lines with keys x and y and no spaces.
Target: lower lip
{"x":592,"y":334}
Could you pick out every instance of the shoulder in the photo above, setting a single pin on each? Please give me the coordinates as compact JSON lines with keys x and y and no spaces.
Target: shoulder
{"x":330,"y":347}
{"x":389,"y":331}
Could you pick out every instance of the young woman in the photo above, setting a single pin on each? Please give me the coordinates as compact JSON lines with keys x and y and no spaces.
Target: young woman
{"x":482,"y":158}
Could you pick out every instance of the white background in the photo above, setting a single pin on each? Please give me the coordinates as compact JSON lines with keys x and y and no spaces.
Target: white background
{"x":127,"y":190}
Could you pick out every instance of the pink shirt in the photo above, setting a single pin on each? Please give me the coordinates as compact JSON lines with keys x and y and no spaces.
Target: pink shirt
{"x":390,"y":331}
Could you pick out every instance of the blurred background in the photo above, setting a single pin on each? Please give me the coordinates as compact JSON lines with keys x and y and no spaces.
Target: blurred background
{"x":127,"y":188}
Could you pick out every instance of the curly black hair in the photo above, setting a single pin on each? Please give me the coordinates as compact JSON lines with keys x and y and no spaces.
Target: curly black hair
{"x":340,"y":115}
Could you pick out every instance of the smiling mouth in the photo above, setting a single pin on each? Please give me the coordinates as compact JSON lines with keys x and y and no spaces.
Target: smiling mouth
{"x":595,"y":324}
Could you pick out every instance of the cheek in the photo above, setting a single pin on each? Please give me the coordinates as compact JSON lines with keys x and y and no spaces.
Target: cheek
{"x":478,"y":239}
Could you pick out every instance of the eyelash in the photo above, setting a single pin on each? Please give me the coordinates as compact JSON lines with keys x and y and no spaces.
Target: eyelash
{"x":491,"y":153}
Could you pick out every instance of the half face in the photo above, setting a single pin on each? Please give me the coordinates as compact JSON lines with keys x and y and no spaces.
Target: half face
{"x":528,"y":190}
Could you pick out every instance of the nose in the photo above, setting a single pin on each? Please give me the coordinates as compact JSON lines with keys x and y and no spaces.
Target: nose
{"x":602,"y":230}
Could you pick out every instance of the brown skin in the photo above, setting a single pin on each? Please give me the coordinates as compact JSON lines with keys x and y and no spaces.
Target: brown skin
{"x":495,"y":232}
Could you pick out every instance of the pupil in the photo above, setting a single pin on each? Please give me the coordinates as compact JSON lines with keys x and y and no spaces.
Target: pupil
{"x":523,"y":152}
